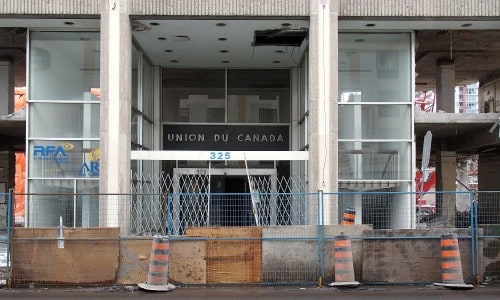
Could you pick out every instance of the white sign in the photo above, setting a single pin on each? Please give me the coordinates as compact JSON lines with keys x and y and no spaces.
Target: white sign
{"x":219,"y":155}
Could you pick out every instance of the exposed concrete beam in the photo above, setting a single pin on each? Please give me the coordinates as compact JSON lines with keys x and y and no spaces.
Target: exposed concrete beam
{"x":478,"y":140}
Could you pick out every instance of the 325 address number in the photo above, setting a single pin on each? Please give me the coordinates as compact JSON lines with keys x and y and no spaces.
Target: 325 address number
{"x":220,"y":155}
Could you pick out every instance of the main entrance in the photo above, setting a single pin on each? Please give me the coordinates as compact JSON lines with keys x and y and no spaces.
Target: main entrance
{"x":223,"y":197}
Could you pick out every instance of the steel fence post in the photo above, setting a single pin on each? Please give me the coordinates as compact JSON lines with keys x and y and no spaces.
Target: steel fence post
{"x":169,"y":217}
{"x":475,"y":235}
{"x":10,"y":223}
{"x":320,"y":239}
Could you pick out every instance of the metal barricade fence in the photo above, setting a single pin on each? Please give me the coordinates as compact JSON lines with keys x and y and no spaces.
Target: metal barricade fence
{"x":401,"y":240}
{"x":5,"y":227}
{"x":488,"y":234}
{"x":280,"y":238}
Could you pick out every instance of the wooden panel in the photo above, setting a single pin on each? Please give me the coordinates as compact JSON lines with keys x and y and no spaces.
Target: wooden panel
{"x":235,"y":260}
{"x":90,"y":255}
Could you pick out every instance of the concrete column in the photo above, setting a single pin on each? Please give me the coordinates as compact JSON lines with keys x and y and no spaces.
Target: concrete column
{"x":323,"y":105}
{"x":445,"y":86}
{"x":6,"y":87}
{"x":488,"y":174}
{"x":116,"y":64}
{"x":446,"y":182}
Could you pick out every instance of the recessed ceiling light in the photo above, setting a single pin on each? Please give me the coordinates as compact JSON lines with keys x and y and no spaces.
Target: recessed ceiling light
{"x":162,"y":38}
{"x":370,"y":25}
{"x":286,"y":24}
{"x":174,"y":61}
{"x":154,"y":23}
{"x":224,"y":51}
{"x":69,"y":23}
{"x":168,"y":50}
{"x":180,"y":38}
{"x":467,"y":25}
{"x":222,"y":39}
{"x":276,"y":61}
{"x":359,"y":40}
{"x":225,"y":61}
{"x":221,"y":24}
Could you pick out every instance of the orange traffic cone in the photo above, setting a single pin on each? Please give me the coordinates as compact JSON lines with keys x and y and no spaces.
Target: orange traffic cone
{"x":349,"y":216}
{"x":344,"y":268}
{"x":158,"y":266}
{"x":451,"y":264}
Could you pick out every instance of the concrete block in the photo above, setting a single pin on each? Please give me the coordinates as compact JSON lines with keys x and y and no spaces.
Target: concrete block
{"x":290,"y":254}
{"x":409,"y":255}
{"x":187,"y":261}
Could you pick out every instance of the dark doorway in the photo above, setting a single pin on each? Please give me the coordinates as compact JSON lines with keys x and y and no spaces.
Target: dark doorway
{"x":231,"y":203}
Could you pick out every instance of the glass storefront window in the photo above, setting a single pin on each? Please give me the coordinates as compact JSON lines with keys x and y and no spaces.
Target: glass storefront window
{"x":374,"y":160}
{"x":135,"y":76}
{"x":147,"y":89}
{"x":63,"y":129}
{"x":63,"y":159}
{"x":378,"y":66}
{"x":64,"y":65}
{"x":134,"y":133}
{"x":374,"y":121}
{"x":258,"y":96}
{"x":147,"y":134}
{"x":64,"y":120}
{"x":375,"y":106}
{"x":76,"y":201}
{"x":253,"y":96}
{"x":193,"y":95}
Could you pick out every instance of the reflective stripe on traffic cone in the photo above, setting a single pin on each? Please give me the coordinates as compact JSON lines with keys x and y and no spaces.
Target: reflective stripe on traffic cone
{"x":349,"y":216}
{"x":158,"y":266}
{"x":344,"y":267}
{"x":451,"y":264}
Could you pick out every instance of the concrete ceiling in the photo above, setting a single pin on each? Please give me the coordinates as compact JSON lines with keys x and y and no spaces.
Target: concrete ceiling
{"x":474,"y":53}
{"x":218,"y":43}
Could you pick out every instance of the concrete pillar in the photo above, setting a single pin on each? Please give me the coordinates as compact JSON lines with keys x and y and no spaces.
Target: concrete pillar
{"x":323,"y":104}
{"x":116,"y":64}
{"x":7,"y":181}
{"x":488,"y":174}
{"x":6,"y":87}
{"x":445,"y":86}
{"x":402,"y":209}
{"x":446,"y":182}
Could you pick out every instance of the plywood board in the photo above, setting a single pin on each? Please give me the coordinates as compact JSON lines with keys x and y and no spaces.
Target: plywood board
{"x":233,"y":255}
{"x":90,"y":255}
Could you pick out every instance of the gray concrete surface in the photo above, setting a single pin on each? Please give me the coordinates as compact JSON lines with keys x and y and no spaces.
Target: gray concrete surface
{"x":257,"y":292}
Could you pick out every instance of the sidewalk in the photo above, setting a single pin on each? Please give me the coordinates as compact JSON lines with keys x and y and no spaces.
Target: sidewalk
{"x":382,"y":292}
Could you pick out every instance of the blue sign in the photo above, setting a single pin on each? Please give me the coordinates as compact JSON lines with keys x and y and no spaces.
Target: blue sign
{"x":90,"y":169}
{"x":52,"y":152}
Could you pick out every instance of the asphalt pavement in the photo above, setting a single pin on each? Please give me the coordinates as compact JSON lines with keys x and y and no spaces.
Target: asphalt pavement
{"x":382,"y":292}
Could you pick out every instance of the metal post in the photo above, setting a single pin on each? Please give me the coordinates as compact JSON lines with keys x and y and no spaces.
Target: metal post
{"x":169,"y":217}
{"x":10,"y":224}
{"x":474,"y":235}
{"x":320,"y":239}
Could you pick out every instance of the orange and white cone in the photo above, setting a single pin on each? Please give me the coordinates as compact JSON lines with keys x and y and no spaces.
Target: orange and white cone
{"x":349,"y":216}
{"x":451,"y":264}
{"x":344,"y":267}
{"x":158,"y":266}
